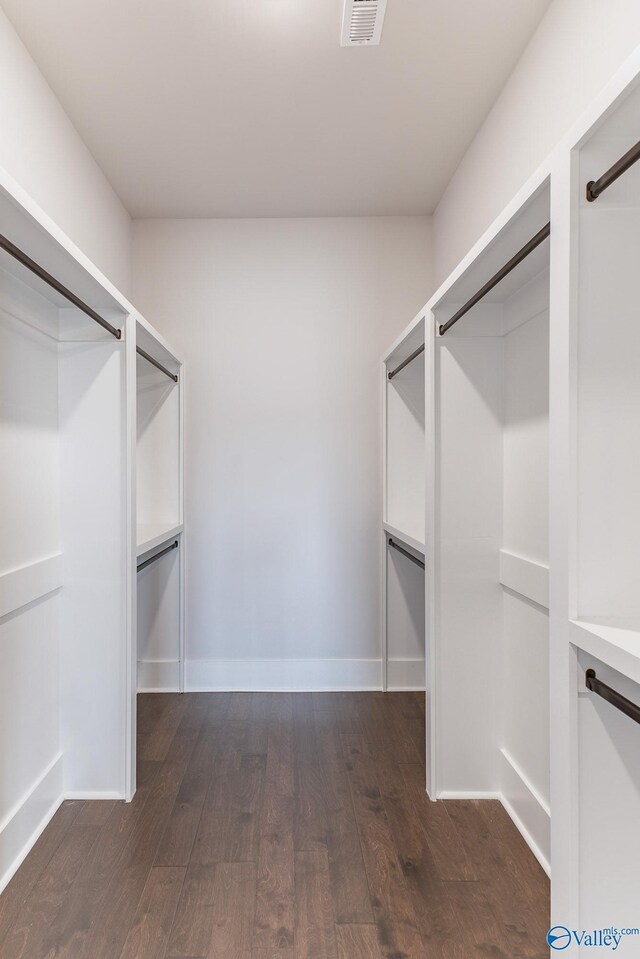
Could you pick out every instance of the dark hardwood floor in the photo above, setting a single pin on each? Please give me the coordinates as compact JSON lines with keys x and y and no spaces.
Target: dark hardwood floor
{"x":278,"y":826}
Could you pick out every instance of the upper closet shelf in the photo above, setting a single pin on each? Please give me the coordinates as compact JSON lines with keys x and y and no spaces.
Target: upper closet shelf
{"x":152,"y":535}
{"x":616,"y":645}
{"x":405,"y":538}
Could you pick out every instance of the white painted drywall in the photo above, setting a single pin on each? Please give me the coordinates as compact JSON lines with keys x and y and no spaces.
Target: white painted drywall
{"x":281,"y":324}
{"x":576,"y":49}
{"x":41,"y":149}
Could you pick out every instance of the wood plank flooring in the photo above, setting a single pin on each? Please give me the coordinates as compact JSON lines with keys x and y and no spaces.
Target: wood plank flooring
{"x":278,"y":826}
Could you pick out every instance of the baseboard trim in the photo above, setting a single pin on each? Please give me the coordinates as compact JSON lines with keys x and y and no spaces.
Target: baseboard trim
{"x":469,"y":794}
{"x":405,"y":675}
{"x":527,"y":809}
{"x":26,"y":820}
{"x":282,"y":675}
{"x":79,"y":794}
{"x":158,"y":675}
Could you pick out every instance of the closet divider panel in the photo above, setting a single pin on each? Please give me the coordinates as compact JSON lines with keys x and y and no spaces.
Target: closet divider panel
{"x":524,"y":748}
{"x":93,"y":611}
{"x":469,"y":458}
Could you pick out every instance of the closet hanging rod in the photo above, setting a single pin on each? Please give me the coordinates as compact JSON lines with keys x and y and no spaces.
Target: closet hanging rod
{"x":158,"y":366}
{"x":51,"y":281}
{"x":405,"y":552}
{"x":596,"y":187}
{"x":162,"y":552}
{"x":521,"y":255}
{"x":612,"y":696}
{"x":406,"y":362}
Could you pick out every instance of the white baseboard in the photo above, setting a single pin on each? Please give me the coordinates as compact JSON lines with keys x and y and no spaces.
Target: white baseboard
{"x":85,"y":795}
{"x":282,"y":675}
{"x":405,"y":675}
{"x":468,"y":794}
{"x":158,"y":675}
{"x":26,"y":820}
{"x":528,"y":810}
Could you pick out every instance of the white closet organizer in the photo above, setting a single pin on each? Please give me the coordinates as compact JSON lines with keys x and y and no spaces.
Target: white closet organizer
{"x":487,"y":535}
{"x":159,"y":509}
{"x":596,"y":746}
{"x":64,"y":631}
{"x":403,"y":517}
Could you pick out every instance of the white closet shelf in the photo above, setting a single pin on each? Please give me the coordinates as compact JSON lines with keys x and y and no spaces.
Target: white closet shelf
{"x":152,"y":535}
{"x":617,"y":645}
{"x":410,"y":541}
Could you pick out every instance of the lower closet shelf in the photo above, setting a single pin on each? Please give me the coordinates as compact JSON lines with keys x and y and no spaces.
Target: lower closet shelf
{"x":152,"y":535}
{"x":404,"y":538}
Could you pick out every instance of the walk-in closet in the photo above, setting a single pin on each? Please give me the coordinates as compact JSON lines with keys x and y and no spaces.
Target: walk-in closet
{"x":319,"y":479}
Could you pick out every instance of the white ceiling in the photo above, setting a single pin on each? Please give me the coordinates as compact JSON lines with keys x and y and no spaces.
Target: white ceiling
{"x":234,"y":108}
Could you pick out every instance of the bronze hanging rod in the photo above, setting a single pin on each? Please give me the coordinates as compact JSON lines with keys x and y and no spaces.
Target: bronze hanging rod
{"x":51,"y":281}
{"x":612,"y":696}
{"x":521,"y":255}
{"x":406,"y":362}
{"x":158,"y":366}
{"x":596,"y":187}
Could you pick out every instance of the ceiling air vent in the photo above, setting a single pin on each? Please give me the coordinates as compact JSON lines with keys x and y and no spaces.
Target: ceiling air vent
{"x":362,"y":22}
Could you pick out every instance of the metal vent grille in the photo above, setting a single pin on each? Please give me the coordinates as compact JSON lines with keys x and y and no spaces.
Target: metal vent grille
{"x":362,"y":22}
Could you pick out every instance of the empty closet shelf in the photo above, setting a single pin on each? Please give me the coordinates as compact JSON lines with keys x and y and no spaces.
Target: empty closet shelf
{"x":404,"y":538}
{"x":617,"y":645}
{"x":152,"y":535}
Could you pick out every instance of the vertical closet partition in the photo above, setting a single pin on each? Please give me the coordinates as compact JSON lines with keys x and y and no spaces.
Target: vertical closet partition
{"x":487,"y":539}
{"x":403,"y":516}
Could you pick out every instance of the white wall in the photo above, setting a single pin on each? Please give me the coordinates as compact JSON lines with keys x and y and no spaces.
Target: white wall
{"x":41,"y":149}
{"x":281,"y":324}
{"x":577,"y":48}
